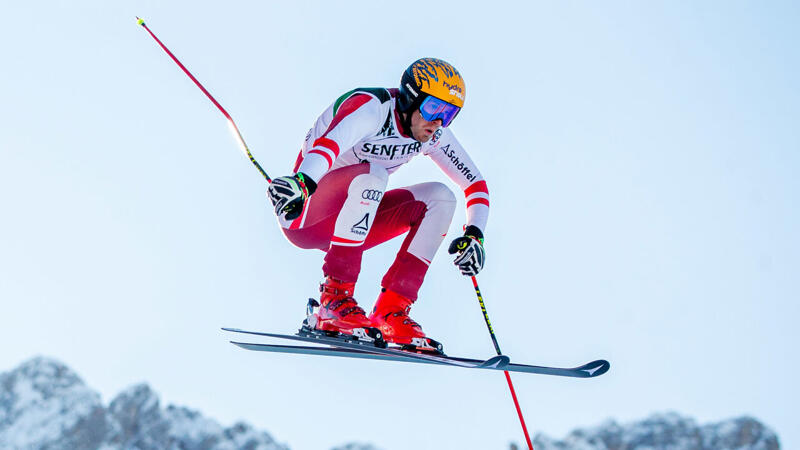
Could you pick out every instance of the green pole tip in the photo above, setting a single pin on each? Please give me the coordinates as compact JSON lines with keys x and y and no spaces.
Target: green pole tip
{"x":140,"y":21}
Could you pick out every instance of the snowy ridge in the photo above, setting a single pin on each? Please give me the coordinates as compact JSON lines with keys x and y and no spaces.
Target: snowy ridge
{"x":43,"y":404}
{"x":666,"y":431}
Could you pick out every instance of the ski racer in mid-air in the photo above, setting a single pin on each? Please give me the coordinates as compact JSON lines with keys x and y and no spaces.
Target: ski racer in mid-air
{"x":336,"y":199}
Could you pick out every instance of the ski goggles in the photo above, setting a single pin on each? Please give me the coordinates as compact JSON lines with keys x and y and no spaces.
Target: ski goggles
{"x":433,"y":108}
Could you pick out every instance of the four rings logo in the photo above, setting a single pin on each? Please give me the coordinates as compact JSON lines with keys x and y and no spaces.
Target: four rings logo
{"x":372,"y":194}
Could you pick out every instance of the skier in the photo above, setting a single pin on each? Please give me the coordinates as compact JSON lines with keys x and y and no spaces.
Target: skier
{"x":336,"y":199}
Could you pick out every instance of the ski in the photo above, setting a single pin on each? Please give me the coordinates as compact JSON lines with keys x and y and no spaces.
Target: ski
{"x":365,"y":346}
{"x":365,"y":350}
{"x":590,"y":370}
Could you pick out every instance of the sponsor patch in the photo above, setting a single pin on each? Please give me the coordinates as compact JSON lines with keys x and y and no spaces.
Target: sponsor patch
{"x":463,"y":168}
{"x":372,"y":194}
{"x":386,"y":151}
{"x":362,"y":226}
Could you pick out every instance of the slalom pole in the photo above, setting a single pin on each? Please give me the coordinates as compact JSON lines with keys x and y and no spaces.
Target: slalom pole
{"x":497,"y":347}
{"x":231,"y":123}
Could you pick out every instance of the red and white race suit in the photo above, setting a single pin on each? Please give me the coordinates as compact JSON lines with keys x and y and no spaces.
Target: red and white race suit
{"x":349,"y":152}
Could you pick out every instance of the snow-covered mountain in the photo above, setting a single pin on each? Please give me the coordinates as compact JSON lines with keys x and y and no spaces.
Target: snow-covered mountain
{"x":667,"y":431}
{"x":45,"y":405}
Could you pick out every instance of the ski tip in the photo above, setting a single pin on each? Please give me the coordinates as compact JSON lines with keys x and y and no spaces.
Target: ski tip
{"x":235,"y":330}
{"x":496,"y":362}
{"x":594,"y":368}
{"x":139,"y":21}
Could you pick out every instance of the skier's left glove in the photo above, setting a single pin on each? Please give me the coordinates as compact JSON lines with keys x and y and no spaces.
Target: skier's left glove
{"x":471,"y":254}
{"x":288,"y":194}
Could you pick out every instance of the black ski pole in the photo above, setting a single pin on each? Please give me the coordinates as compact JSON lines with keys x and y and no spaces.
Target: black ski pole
{"x":231,"y":123}
{"x":497,"y":347}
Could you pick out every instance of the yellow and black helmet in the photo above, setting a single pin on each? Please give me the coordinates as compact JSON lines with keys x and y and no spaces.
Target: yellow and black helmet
{"x":430,"y":77}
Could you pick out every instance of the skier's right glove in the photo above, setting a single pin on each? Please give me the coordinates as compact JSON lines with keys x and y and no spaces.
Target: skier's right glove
{"x":288,"y":194}
{"x":471,"y":254}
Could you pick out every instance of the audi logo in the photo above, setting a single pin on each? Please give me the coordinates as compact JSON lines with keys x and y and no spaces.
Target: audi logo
{"x":372,"y":194}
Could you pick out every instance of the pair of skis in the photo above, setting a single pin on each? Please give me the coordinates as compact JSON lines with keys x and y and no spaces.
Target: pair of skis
{"x":350,"y":347}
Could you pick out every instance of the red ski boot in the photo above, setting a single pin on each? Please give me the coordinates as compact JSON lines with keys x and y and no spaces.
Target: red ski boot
{"x":339,"y":313}
{"x":390,"y":315}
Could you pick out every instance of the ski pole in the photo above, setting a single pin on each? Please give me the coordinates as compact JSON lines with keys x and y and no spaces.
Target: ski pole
{"x":231,"y":123}
{"x":497,"y":347}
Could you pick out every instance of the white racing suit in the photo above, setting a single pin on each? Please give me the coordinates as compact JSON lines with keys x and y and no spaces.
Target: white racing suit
{"x":350,"y":152}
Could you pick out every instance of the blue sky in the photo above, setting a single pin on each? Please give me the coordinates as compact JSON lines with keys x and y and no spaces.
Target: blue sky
{"x":642,"y":161}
